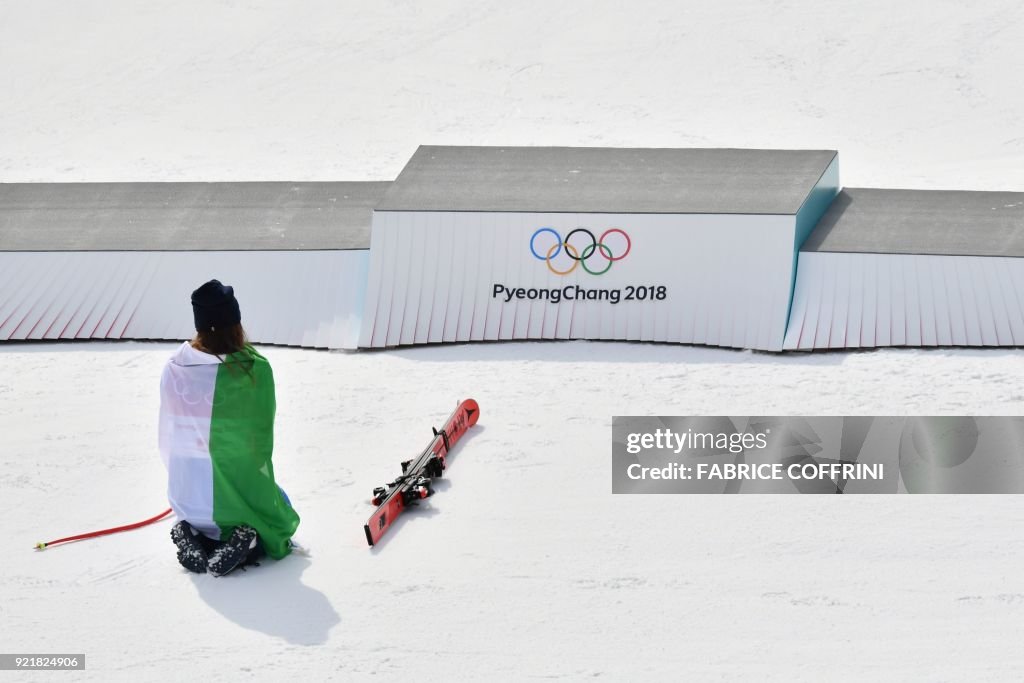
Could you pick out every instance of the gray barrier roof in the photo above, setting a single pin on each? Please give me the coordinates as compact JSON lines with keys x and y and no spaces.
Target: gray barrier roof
{"x":945,"y":222}
{"x":187,"y":216}
{"x":606,"y":180}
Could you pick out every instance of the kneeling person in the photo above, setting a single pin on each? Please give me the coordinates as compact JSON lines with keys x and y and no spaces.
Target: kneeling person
{"x":217,"y":406}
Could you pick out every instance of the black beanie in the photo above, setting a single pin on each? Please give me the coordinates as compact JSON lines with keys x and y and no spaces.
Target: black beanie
{"x":214,"y":305}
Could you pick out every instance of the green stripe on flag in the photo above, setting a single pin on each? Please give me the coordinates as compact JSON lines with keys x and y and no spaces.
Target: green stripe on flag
{"x":241,"y":446}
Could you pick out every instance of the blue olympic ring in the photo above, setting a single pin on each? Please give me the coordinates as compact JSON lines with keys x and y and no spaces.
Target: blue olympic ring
{"x":558,"y":240}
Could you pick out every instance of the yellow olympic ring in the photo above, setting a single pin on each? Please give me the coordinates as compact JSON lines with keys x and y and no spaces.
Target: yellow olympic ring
{"x":575,"y":258}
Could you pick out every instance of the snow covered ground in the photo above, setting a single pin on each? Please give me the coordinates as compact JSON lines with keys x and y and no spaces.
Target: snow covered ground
{"x":916,"y":93}
{"x":524,"y":566}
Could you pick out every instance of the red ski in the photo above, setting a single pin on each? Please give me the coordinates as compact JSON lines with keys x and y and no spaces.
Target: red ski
{"x":414,"y":484}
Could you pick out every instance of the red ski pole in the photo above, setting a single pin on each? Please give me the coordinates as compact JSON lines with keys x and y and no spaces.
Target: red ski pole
{"x":104,"y":532}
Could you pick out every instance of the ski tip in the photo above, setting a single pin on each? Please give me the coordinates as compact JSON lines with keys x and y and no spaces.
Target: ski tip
{"x":369,"y":536}
{"x":472,"y":409}
{"x":40,"y":546}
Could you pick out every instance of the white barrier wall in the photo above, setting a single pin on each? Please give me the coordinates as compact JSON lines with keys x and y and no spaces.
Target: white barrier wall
{"x":300,"y":298}
{"x":439,"y":276}
{"x":845,"y":300}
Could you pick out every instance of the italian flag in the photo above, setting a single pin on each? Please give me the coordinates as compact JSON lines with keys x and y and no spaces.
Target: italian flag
{"x":216,"y":438}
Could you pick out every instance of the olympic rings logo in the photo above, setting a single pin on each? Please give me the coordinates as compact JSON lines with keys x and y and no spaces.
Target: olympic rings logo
{"x":597,"y":247}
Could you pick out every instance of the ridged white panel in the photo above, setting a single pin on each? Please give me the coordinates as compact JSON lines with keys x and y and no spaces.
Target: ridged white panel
{"x":368,"y":329}
{"x":1011,"y":283}
{"x":36,"y":309}
{"x":841,"y":303}
{"x":955,"y":302}
{"x":353,"y":267}
{"x":543,"y":314}
{"x":151,"y":321}
{"x":468,"y":230}
{"x":913,"y":299}
{"x":577,"y":310}
{"x":898,"y":304}
{"x":407,"y":298}
{"x":531,"y":314}
{"x":506,"y":235}
{"x":441,"y":230}
{"x":815,"y":304}
{"x":530,"y":319}
{"x":926,"y":293}
{"x":23,"y":295}
{"x":458,"y":251}
{"x":485,"y":254}
{"x":467,"y":243}
{"x":404,"y":256}
{"x":102,"y":268}
{"x":855,"y":312}
{"x":71,"y":302}
{"x":906,"y":300}
{"x":985,"y":297}
{"x":428,"y":278}
{"x":103,"y":298}
{"x":972,"y":316}
{"x":300,"y":298}
{"x":331,"y":301}
{"x":869,"y":303}
{"x":52,"y":306}
{"x":12,"y":272}
{"x":499,"y":261}
{"x":798,"y":313}
{"x":308,"y":321}
{"x":330,"y":298}
{"x":387,"y":249}
{"x":883,"y":300}
{"x":634,"y":311}
{"x":142,"y":277}
{"x":1001,"y":311}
